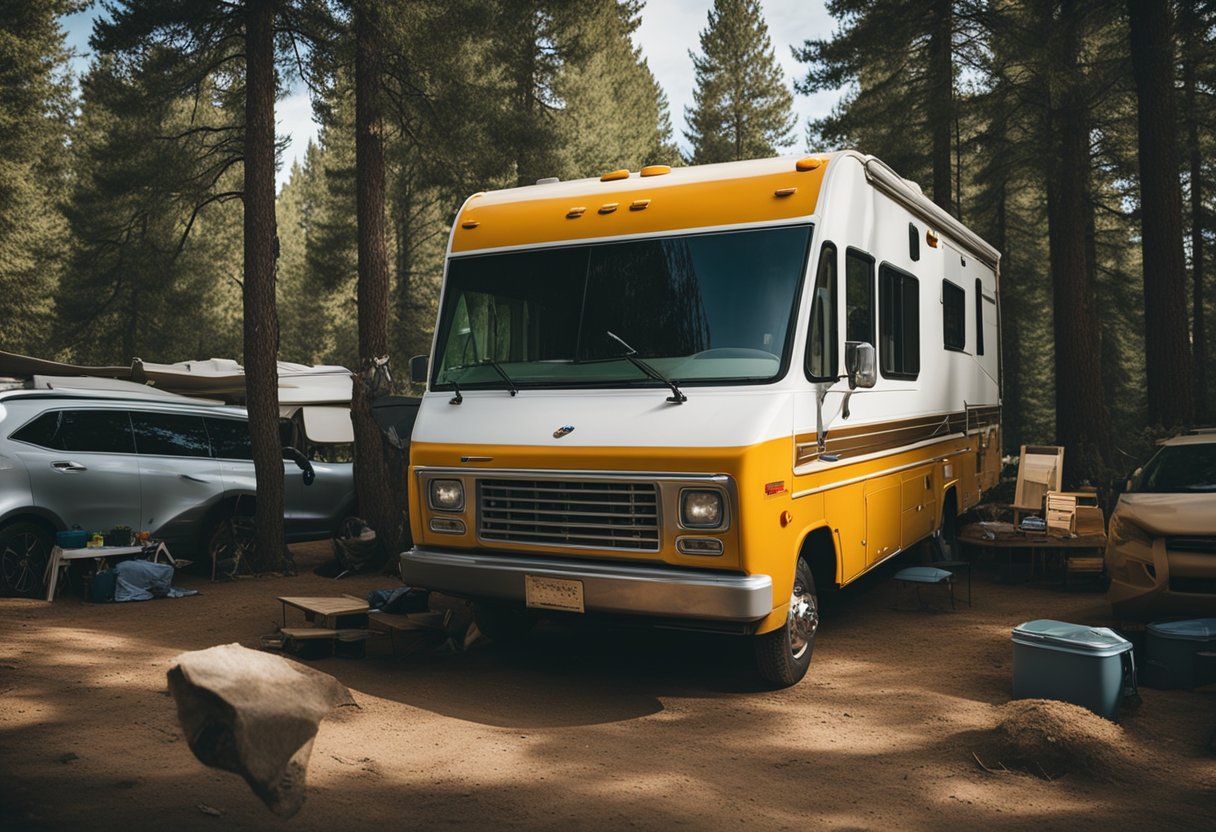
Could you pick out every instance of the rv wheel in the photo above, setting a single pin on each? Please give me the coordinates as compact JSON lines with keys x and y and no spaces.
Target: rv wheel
{"x":783,"y":655}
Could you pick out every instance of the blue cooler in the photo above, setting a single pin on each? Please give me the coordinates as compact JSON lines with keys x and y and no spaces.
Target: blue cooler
{"x":1087,"y":666}
{"x":1174,"y":649}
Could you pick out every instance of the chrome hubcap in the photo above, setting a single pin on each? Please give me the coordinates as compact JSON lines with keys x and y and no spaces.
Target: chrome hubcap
{"x":803,"y":620}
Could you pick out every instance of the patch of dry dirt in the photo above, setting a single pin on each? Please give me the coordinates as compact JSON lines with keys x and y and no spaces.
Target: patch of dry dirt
{"x":904,"y":723}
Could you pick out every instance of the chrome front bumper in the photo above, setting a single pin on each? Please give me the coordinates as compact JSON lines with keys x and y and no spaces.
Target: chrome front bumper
{"x":607,"y":587}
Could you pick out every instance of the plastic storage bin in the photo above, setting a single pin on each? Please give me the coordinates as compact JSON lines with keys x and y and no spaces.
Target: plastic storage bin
{"x":1172,"y":650}
{"x":1087,"y":666}
{"x":71,"y":539}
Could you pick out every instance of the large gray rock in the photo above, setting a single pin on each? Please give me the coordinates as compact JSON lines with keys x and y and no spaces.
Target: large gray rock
{"x":254,"y":714}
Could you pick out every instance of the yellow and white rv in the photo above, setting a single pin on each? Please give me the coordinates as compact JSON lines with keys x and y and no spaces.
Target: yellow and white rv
{"x":695,"y":396}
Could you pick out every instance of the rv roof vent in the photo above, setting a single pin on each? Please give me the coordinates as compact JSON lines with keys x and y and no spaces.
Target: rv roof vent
{"x":548,"y":180}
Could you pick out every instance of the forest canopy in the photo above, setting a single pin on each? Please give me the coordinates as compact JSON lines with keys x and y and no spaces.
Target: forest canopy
{"x":1076,"y":136}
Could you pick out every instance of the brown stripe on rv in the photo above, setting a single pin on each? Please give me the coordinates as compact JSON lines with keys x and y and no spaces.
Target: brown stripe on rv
{"x":888,"y":436}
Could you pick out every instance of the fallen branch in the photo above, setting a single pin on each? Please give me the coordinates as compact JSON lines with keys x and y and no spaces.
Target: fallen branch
{"x":981,"y":763}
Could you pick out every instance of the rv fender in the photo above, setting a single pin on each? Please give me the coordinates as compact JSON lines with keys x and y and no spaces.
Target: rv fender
{"x":819,"y":550}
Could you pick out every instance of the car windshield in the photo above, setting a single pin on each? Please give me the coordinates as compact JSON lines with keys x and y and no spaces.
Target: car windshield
{"x":1179,"y":469}
{"x":699,"y":308}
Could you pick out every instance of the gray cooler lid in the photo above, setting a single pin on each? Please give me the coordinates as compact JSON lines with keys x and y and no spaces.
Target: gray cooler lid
{"x":1196,"y":629}
{"x":1077,"y":638}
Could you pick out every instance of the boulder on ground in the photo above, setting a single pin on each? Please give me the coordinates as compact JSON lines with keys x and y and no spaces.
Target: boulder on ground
{"x":254,"y":714}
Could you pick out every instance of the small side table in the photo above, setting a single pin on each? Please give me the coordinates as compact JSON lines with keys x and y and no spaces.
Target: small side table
{"x":59,"y":557}
{"x":955,"y":566}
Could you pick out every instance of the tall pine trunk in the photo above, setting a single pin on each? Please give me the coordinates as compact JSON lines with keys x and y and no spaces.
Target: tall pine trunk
{"x":1167,"y":354}
{"x":261,"y":316}
{"x":1195,"y":163}
{"x":372,"y":481}
{"x":941,"y":102}
{"x":1082,"y":420}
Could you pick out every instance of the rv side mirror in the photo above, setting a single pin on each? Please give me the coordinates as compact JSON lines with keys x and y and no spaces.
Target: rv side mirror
{"x":302,"y":462}
{"x":861,"y":363}
{"x":418,"y":368}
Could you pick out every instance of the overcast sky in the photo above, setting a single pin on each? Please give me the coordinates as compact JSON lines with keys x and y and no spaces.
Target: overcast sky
{"x":670,"y":28}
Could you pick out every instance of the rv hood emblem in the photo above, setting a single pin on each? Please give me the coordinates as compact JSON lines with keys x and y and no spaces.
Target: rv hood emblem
{"x":562,"y":431}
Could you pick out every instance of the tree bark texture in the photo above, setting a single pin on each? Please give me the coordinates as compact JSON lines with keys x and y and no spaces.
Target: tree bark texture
{"x":1082,"y":420}
{"x":261,"y":316}
{"x":380,"y":507}
{"x":941,"y":102}
{"x":1195,"y":163}
{"x":1167,"y":348}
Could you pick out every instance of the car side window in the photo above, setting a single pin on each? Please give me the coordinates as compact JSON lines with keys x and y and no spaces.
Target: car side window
{"x":94,"y":431}
{"x":229,"y":438}
{"x":170,"y":434}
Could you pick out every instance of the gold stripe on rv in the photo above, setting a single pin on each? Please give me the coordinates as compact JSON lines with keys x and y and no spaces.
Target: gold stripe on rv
{"x":655,"y":207}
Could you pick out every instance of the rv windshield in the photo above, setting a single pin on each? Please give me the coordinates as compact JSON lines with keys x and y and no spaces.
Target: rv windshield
{"x":705,"y":308}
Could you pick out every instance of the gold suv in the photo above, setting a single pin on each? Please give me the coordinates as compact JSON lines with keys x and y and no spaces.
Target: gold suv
{"x":1161,"y":550}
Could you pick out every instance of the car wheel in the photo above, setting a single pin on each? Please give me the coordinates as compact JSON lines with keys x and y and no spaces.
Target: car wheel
{"x":503,"y":622}
{"x":231,"y":546}
{"x":25,"y":549}
{"x":783,"y":655}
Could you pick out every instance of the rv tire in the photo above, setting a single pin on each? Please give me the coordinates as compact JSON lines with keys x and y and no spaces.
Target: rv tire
{"x":784,"y":655}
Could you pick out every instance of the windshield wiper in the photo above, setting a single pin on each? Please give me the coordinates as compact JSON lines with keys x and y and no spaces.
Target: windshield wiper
{"x":631,"y":355}
{"x":488,"y":362}
{"x":493,"y":362}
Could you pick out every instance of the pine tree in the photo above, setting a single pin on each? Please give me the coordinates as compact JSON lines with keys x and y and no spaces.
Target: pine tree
{"x":177,"y":47}
{"x":35,"y":103}
{"x":742,"y":108}
{"x":156,"y":240}
{"x":899,"y":57}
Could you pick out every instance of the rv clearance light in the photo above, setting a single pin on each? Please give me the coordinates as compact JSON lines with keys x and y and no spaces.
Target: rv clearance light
{"x":447,"y":495}
{"x":655,"y":170}
{"x":810,"y":163}
{"x":613,"y":175}
{"x":447,"y":525}
{"x":701,"y":509}
{"x":608,"y":207}
{"x":774,"y":487}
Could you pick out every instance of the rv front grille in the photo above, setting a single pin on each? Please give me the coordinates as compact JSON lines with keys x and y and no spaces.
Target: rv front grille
{"x":593,"y":514}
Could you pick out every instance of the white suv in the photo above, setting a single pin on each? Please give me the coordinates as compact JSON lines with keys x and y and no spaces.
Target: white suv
{"x":176,"y":467}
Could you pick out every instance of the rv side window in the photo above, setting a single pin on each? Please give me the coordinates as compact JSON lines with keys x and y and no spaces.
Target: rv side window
{"x":954,"y":316}
{"x":859,"y":296}
{"x":979,"y":316}
{"x":821,"y":353}
{"x":898,"y":322}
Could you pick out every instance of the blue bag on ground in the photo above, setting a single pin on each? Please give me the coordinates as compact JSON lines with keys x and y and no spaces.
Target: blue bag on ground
{"x":142,"y":580}
{"x":403,"y":599}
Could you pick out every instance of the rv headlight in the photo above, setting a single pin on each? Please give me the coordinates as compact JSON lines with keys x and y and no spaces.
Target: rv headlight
{"x":701,"y":509}
{"x":447,"y":495}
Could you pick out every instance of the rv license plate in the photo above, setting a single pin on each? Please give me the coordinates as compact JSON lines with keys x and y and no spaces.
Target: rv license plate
{"x":553,"y":593}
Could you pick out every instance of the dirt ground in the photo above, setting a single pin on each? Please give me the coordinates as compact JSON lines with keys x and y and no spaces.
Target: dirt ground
{"x":904,"y":722}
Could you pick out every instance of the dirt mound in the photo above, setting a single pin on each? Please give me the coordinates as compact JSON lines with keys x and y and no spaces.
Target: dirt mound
{"x":1050,"y":739}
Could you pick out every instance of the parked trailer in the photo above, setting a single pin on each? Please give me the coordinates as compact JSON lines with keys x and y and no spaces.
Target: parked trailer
{"x":697,"y":396}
